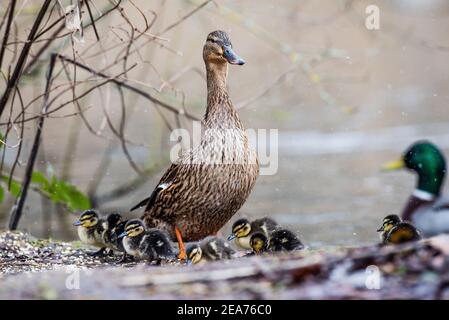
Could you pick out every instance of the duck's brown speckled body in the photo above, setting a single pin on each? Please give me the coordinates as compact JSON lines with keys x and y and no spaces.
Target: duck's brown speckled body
{"x":208,"y":184}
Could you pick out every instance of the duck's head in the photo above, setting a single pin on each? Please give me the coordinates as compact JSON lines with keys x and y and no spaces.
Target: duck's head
{"x":241,"y":228}
{"x":133,"y":228}
{"x":389,"y":222}
{"x":424,"y":158}
{"x":258,"y":242}
{"x":194,"y":253}
{"x":218,"y":49}
{"x":87,"y":219}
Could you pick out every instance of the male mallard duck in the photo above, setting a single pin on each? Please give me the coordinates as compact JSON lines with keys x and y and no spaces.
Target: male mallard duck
{"x":151,"y":244}
{"x":395,"y":231}
{"x":242,"y":230}
{"x":210,"y":249}
{"x":90,"y":230}
{"x":280,"y":240}
{"x":206,"y":186}
{"x":425,"y":207}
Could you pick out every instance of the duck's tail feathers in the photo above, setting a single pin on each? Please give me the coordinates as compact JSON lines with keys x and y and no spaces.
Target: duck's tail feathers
{"x":141,"y":204}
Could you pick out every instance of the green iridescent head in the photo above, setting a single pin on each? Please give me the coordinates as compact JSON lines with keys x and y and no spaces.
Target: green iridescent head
{"x":424,"y":158}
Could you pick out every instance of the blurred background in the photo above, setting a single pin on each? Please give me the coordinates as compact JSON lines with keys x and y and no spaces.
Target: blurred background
{"x":345,"y":99}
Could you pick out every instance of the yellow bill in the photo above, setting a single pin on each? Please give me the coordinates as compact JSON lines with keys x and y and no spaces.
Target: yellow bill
{"x":393,"y":165}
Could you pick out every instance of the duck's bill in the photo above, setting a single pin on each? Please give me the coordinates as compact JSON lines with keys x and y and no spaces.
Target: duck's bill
{"x":77,"y":223}
{"x":232,"y":57}
{"x":123,"y":234}
{"x":380,"y":229}
{"x":393,"y":165}
{"x":231,"y":237}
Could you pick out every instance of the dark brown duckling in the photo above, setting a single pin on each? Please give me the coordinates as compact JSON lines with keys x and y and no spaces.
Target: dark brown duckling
{"x":109,"y":224}
{"x":116,"y":226}
{"x":209,"y":249}
{"x":151,"y":244}
{"x":396,"y":231}
{"x":280,"y":240}
{"x":285,"y":240}
{"x":206,"y":186}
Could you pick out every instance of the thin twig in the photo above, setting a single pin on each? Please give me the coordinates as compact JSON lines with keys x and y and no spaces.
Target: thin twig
{"x":129,"y":87}
{"x":17,"y":209}
{"x":7,"y":30}
{"x":92,"y":20}
{"x":23,"y":56}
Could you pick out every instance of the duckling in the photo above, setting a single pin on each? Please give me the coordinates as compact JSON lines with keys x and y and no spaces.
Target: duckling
{"x":395,"y":231}
{"x":280,"y":240}
{"x":151,"y":244}
{"x":242,"y":230}
{"x":285,"y":240}
{"x":217,"y":175}
{"x":118,"y":241}
{"x":258,"y":243}
{"x":108,"y":236}
{"x":425,"y":208}
{"x":90,"y":230}
{"x":209,"y":249}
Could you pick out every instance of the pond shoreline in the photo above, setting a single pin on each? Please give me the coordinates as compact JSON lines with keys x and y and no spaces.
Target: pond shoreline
{"x":44,"y":269}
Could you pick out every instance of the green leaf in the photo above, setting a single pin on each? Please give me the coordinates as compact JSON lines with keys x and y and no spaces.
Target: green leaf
{"x":75,"y":199}
{"x":2,"y":194}
{"x":39,"y":178}
{"x":66,"y":193}
{"x":15,"y":186}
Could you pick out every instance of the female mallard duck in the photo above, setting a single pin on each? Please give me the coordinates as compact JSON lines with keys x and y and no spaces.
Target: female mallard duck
{"x":425,"y":207}
{"x":206,"y":186}
{"x":243,"y":229}
{"x":90,"y":230}
{"x":280,"y":240}
{"x":209,"y":249}
{"x":152,"y":244}
{"x":395,"y":231}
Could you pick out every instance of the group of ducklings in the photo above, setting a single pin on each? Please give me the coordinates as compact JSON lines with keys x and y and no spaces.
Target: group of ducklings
{"x":136,"y":242}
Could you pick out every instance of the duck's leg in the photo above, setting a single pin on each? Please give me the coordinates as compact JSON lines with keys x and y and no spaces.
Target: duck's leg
{"x":182,"y":249}
{"x":125,"y":258}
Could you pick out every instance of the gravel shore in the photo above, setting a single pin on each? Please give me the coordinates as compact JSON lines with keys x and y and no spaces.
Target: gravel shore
{"x":44,"y":269}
